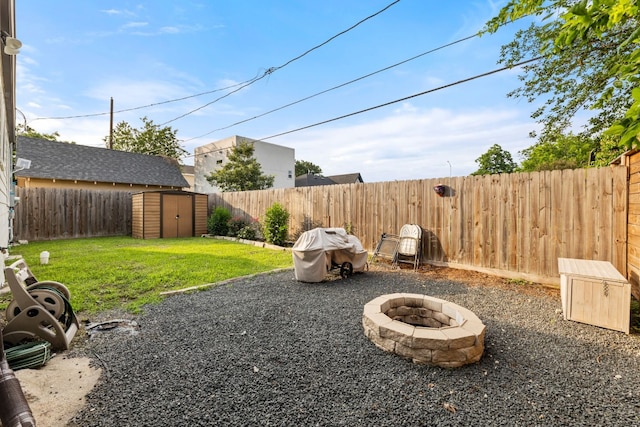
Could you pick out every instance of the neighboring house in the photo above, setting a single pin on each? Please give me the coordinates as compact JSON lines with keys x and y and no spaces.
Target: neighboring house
{"x":274,"y":160}
{"x":311,"y":179}
{"x":7,"y":123}
{"x":63,"y":165}
{"x":188,"y":173}
{"x":348,"y":178}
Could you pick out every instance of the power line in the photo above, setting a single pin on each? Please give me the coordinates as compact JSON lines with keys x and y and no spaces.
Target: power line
{"x":336,"y":87}
{"x":347,"y":83}
{"x":242,"y":85}
{"x":339,"y":34}
{"x":475,"y":77}
{"x":405,"y":98}
{"x":248,"y":83}
{"x":142,"y":106}
{"x":272,"y":70}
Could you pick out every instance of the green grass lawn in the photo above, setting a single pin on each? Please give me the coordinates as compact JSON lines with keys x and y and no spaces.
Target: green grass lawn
{"x":122,"y":272}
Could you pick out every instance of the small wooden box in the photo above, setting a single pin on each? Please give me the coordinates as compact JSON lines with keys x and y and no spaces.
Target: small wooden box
{"x":594,"y":292}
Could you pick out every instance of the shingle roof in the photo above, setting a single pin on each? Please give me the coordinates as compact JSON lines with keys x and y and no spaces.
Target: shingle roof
{"x":348,"y":178}
{"x":310,"y":180}
{"x":61,"y":160}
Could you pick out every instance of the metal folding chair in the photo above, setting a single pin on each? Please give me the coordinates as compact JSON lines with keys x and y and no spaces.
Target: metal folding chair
{"x":409,"y":248}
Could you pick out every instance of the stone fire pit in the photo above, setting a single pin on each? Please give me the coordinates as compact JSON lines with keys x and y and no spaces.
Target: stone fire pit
{"x":424,"y":329}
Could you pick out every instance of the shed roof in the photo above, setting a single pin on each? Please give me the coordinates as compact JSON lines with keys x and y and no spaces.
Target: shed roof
{"x":61,"y":160}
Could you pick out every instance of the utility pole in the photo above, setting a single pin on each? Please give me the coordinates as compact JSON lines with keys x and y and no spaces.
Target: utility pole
{"x":111,"y":126}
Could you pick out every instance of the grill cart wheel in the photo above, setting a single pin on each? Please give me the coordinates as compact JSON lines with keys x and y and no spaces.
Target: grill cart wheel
{"x":346,"y":270}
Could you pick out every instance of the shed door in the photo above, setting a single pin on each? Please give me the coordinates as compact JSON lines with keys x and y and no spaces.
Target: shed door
{"x":177,"y":216}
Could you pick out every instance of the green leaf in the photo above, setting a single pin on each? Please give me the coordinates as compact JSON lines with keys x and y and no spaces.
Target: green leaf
{"x":615,"y":130}
{"x":579,"y":8}
{"x":631,"y":38}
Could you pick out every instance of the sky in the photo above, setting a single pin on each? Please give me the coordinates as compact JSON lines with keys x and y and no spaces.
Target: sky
{"x":210,"y":69}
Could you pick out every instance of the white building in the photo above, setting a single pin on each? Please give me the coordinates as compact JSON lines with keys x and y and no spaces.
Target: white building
{"x":274,"y":160}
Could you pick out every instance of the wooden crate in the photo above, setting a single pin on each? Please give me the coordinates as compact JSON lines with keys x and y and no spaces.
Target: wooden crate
{"x":594,"y":292}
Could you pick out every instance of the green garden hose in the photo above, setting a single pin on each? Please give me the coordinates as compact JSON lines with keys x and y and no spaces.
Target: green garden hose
{"x":28,"y":356}
{"x":66,"y":318}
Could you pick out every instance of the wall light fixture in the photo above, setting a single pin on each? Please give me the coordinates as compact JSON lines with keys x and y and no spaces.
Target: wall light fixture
{"x":11,"y":44}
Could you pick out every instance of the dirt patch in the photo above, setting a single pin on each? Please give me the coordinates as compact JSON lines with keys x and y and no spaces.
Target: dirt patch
{"x":57,"y":390}
{"x":474,"y":278}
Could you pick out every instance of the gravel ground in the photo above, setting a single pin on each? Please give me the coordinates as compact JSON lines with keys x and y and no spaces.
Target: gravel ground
{"x":273,"y":351}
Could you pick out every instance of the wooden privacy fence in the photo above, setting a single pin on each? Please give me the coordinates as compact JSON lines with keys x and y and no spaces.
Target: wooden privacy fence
{"x":49,"y":213}
{"x":516,"y":225}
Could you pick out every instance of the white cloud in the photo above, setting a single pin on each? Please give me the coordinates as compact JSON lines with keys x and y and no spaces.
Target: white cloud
{"x":111,"y":12}
{"x":169,"y":30}
{"x":135,"y":25}
{"x":28,"y":60}
{"x":30,"y":88}
{"x":133,"y":93}
{"x":116,"y":12}
{"x":86,"y":131}
{"x":412,"y":143}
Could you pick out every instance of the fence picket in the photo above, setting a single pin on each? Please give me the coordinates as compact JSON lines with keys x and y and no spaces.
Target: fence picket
{"x":518,"y":224}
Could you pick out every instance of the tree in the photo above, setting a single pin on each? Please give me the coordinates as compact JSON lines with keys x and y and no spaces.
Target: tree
{"x":569,"y":81}
{"x":563,"y":152}
{"x":28,"y":131}
{"x":495,"y":160}
{"x":304,"y":167}
{"x":242,"y":172}
{"x":150,"y":139}
{"x":597,"y":42}
{"x":609,"y":149}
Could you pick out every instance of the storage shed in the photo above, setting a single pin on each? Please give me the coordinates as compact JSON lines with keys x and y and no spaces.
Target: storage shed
{"x":161,"y":214}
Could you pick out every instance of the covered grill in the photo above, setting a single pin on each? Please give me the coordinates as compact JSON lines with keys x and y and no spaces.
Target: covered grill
{"x":320,"y":250}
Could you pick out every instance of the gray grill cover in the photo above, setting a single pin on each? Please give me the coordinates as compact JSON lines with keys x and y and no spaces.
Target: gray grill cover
{"x":316,"y":250}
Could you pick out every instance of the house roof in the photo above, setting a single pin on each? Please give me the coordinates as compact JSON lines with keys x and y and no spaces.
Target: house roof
{"x":348,"y":178}
{"x":61,"y":160}
{"x":310,"y":179}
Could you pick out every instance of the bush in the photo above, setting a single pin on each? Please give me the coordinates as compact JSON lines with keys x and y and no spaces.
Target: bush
{"x":218,"y":222}
{"x":247,"y":232}
{"x":275,"y":228}
{"x":235,"y":225}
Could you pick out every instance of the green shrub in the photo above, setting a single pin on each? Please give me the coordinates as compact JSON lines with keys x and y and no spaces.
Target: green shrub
{"x":275,"y":227}
{"x":218,"y":221}
{"x":235,"y":225}
{"x":247,"y":232}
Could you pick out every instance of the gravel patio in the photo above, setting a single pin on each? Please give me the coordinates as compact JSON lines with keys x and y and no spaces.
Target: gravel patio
{"x":271,"y":351}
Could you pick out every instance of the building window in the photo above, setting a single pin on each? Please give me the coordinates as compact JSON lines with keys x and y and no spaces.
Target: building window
{"x":290,"y":175}
{"x":219,"y":162}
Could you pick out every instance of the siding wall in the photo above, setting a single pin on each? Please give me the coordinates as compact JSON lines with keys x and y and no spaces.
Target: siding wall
{"x":633,"y":230}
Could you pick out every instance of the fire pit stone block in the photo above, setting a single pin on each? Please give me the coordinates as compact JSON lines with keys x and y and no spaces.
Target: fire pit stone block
{"x":425,"y":329}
